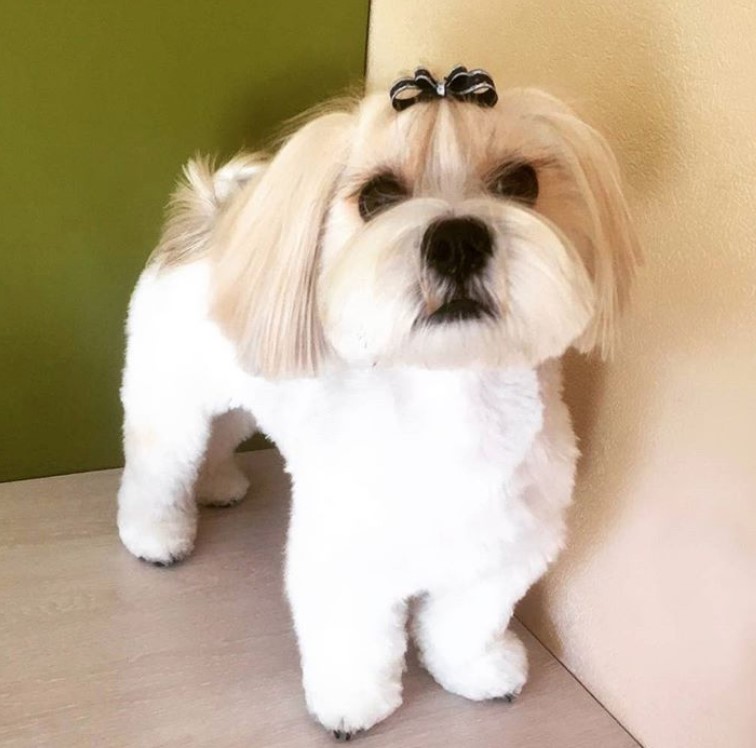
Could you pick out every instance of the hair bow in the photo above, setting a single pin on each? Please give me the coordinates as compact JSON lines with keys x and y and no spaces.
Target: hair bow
{"x":461,"y":84}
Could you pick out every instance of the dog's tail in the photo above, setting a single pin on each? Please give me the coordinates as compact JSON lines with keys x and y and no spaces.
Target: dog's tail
{"x":198,"y":201}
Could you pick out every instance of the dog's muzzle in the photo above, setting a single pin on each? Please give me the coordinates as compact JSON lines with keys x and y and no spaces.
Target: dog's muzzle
{"x":457,"y":251}
{"x":457,"y":248}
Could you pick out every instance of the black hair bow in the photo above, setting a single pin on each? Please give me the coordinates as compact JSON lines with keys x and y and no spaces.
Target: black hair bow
{"x":461,"y":84}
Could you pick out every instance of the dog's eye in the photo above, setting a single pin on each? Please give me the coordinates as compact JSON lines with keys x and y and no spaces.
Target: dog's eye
{"x":379,"y":193}
{"x":516,"y":182}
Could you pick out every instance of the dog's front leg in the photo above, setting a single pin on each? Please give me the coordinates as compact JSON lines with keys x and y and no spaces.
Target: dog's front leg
{"x":464,"y":641}
{"x":351,"y":639}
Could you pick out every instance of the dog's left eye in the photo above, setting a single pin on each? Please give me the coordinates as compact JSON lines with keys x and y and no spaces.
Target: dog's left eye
{"x":381,"y":192}
{"x":516,"y":182}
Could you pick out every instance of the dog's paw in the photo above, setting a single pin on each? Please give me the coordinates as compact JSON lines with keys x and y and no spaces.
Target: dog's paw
{"x":499,"y":672}
{"x":225,"y":485}
{"x":342,"y":736}
{"x":161,"y":541}
{"x":347,"y":711}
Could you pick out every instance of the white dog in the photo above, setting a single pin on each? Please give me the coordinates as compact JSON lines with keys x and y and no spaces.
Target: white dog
{"x":388,"y":298}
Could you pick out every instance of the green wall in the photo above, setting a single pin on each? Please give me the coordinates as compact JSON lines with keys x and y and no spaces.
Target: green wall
{"x":101,"y":101}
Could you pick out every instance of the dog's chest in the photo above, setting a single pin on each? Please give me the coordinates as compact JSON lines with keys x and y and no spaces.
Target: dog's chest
{"x":406,"y":435}
{"x":420,"y":472}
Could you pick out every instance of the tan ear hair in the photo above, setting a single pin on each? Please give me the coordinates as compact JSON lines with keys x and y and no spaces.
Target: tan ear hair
{"x":267,"y":252}
{"x":598,"y":222}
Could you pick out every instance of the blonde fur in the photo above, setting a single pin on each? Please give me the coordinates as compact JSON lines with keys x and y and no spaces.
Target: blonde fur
{"x":597,"y":218}
{"x":196,"y":203}
{"x":265,"y":225}
{"x":267,"y":253}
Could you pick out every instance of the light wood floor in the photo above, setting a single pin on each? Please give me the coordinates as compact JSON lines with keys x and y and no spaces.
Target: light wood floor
{"x":99,"y":649}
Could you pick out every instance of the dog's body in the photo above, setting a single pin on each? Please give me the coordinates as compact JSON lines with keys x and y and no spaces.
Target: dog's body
{"x":407,"y":482}
{"x":436,"y":470}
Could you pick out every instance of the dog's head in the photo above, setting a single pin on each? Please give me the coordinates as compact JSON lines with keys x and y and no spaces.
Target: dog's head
{"x":445,"y":235}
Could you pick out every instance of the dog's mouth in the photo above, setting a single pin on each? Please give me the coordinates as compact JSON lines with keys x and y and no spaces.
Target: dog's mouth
{"x":459,"y":309}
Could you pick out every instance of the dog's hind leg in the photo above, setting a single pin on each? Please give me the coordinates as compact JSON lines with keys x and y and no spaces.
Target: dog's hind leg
{"x":221,"y":481}
{"x":164,"y":444}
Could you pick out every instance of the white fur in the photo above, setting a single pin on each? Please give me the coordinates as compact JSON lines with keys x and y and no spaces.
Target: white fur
{"x":445,"y":484}
{"x":429,"y":463}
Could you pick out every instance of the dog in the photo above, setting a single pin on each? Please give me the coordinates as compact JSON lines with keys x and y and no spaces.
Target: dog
{"x":388,"y":298}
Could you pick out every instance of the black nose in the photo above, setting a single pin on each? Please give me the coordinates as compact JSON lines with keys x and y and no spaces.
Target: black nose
{"x":457,"y":248}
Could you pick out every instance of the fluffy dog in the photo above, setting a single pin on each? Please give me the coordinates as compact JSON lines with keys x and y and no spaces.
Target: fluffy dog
{"x":388,"y":298}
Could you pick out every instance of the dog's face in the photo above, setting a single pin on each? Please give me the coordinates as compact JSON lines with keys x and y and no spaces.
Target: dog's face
{"x":445,"y":235}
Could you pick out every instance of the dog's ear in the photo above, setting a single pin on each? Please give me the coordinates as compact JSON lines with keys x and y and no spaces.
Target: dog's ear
{"x":267,"y":252}
{"x":595,"y":217}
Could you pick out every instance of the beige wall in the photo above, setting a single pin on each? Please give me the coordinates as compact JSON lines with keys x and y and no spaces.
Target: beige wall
{"x":654,"y":604}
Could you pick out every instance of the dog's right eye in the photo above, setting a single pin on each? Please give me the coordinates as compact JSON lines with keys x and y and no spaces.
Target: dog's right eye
{"x":517,"y":181}
{"x":381,"y":192}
